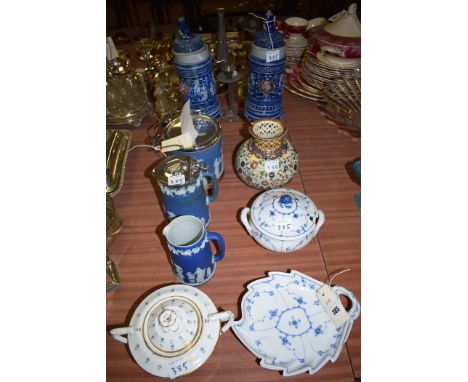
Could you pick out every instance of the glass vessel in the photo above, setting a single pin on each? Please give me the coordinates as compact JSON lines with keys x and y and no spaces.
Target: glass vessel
{"x":126,"y":97}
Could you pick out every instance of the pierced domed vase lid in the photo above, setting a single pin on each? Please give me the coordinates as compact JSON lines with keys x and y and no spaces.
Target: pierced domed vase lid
{"x":173,"y":331}
{"x":284,"y":213}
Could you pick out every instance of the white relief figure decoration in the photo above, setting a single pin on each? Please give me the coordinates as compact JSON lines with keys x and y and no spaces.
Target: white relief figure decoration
{"x":208,"y":272}
{"x":200,"y":273}
{"x":179,"y":272}
{"x":218,"y":166}
{"x":191,"y":277}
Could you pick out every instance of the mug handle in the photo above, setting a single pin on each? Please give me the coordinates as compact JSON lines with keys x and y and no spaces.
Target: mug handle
{"x":214,"y":193}
{"x":217,"y":237}
{"x":355,"y":306}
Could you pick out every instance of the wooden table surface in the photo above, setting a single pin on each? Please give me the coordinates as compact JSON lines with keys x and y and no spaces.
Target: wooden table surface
{"x":325,"y":155}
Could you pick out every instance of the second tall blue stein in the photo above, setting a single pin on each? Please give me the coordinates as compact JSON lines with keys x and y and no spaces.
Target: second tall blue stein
{"x":182,"y":181}
{"x":192,"y":60}
{"x":267,"y":60}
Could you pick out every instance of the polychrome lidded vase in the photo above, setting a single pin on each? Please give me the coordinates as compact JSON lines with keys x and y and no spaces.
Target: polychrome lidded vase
{"x":193,"y":64}
{"x":267,"y":60}
{"x":267,"y":159}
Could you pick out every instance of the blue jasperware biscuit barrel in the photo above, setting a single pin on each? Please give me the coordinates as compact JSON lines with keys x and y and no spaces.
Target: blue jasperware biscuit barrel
{"x":208,"y":148}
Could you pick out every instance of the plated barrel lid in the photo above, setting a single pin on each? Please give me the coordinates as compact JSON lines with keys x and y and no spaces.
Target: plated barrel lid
{"x":177,"y":170}
{"x":284,"y":213}
{"x":209,"y":131}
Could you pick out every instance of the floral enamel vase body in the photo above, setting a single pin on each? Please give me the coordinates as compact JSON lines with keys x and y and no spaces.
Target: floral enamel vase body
{"x":193,"y":261}
{"x":267,"y":159}
{"x":192,"y":60}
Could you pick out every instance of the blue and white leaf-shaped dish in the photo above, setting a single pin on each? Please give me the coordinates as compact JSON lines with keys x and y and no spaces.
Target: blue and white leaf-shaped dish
{"x":284,"y":324}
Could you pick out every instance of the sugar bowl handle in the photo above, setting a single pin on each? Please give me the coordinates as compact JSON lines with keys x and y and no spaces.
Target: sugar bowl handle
{"x":118,"y":333}
{"x":223,"y":317}
{"x":320,"y":221}
{"x":245,"y":220}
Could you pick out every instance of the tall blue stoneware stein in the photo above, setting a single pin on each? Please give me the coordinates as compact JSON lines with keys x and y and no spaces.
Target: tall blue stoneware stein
{"x":208,"y":147}
{"x":193,"y":261}
{"x":267,"y":60}
{"x":192,"y":60}
{"x":182,"y":180}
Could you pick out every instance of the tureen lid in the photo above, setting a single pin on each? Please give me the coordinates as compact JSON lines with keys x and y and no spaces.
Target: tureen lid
{"x":347,"y":25}
{"x":177,"y":170}
{"x":208,"y":129}
{"x":172,"y":330}
{"x":284,"y":213}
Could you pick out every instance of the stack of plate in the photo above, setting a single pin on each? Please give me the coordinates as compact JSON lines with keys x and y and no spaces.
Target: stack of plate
{"x":334,"y":52}
{"x":295,"y":46}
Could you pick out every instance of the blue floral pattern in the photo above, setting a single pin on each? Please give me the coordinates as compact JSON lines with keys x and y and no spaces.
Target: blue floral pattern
{"x":284,"y":326}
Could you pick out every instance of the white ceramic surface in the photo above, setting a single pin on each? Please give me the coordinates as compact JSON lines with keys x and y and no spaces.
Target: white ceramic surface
{"x":348,"y":25}
{"x":282,"y":220}
{"x":284,"y":324}
{"x":173,"y":331}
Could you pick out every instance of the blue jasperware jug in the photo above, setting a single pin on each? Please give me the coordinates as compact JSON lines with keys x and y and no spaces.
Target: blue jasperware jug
{"x":192,"y":60}
{"x":267,"y":61}
{"x":182,"y":180}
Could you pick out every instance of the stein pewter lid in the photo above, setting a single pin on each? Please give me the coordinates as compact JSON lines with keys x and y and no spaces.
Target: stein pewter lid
{"x":209,"y":131}
{"x":177,"y":170}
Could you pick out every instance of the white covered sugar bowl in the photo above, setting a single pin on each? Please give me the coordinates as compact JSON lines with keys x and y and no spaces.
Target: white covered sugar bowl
{"x":282,"y":220}
{"x":173,"y":331}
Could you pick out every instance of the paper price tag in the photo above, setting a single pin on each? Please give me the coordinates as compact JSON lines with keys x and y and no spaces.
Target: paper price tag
{"x":272,"y":55}
{"x":332,"y":305}
{"x":272,"y":165}
{"x":178,"y":368}
{"x":176,"y":180}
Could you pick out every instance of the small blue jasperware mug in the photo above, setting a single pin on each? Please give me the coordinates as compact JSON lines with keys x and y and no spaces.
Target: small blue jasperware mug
{"x":182,"y":180}
{"x":193,"y":261}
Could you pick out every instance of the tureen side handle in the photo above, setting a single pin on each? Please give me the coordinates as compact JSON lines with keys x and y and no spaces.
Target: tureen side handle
{"x":320,"y":221}
{"x":245,"y":221}
{"x":118,"y":333}
{"x":227,"y":315}
{"x":355,"y":306}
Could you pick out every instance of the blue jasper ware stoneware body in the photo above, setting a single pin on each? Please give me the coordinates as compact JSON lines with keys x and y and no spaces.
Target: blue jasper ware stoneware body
{"x":193,"y":262}
{"x":285,"y":325}
{"x":208,"y":147}
{"x":267,"y":61}
{"x":192,"y":60}
{"x":181,"y":180}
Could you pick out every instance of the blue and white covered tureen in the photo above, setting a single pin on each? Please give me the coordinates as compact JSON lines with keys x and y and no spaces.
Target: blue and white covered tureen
{"x":282,"y":220}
